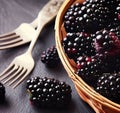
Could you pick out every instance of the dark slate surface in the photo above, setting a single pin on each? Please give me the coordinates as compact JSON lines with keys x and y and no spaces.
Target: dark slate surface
{"x":12,"y":13}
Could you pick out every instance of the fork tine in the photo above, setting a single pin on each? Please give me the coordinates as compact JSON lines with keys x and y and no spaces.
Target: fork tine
{"x":7,"y":69}
{"x":12,"y":45}
{"x":13,"y":75}
{"x":9,"y":72}
{"x":22,"y":74}
{"x":9,"y":37}
{"x":10,"y":42}
{"x":7,"y":34}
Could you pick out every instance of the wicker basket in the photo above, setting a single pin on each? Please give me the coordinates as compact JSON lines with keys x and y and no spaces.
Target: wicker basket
{"x":99,"y":103}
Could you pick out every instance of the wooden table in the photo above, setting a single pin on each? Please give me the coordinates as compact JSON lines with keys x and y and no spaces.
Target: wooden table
{"x":12,"y":14}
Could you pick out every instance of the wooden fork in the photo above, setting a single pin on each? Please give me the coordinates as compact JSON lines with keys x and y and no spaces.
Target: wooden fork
{"x":22,"y":65}
{"x":21,"y":35}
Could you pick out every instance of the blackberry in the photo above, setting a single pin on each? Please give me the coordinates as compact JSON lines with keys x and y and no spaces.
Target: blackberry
{"x":2,"y":93}
{"x":106,"y":43}
{"x":49,"y":92}
{"x":50,"y":57}
{"x":78,"y":44}
{"x":89,"y":69}
{"x":108,"y":85}
{"x":91,"y":17}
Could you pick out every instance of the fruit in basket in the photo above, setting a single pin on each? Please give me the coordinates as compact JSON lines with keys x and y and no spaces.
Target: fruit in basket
{"x":92,"y":40}
{"x":89,"y":69}
{"x":50,"y":57}
{"x":92,"y":14}
{"x":2,"y":93}
{"x":49,"y":92}
{"x":107,"y":43}
{"x":78,"y":44}
{"x":108,"y":85}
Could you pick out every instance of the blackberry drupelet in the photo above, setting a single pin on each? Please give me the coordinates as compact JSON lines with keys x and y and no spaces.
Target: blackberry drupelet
{"x":78,"y":44}
{"x":89,"y":69}
{"x":106,"y":43}
{"x":2,"y":93}
{"x":90,"y":17}
{"x":108,"y":85}
{"x":48,"y":92}
{"x":116,"y":30}
{"x":50,"y":57}
{"x":118,"y":11}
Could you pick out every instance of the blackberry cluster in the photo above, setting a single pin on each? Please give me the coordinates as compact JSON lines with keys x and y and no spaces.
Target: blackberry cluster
{"x":106,"y":43}
{"x":50,"y":57}
{"x":78,"y":44}
{"x":89,"y":17}
{"x":89,"y":69}
{"x":48,"y":92}
{"x":108,"y":85}
{"x":2,"y":93}
{"x":93,"y":42}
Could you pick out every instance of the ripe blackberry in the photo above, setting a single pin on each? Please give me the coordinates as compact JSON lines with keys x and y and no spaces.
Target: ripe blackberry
{"x":108,"y":85}
{"x":78,"y":44}
{"x":107,"y":43}
{"x":91,"y":17}
{"x":48,"y":92}
{"x":89,"y":69}
{"x":2,"y":93}
{"x":50,"y":57}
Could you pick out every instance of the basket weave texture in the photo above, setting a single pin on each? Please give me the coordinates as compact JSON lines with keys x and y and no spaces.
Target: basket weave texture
{"x":99,"y":103}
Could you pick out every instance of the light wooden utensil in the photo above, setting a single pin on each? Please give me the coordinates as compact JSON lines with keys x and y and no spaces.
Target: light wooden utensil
{"x":22,"y":65}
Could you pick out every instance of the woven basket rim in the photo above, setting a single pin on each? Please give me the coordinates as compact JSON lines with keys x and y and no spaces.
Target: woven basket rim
{"x":68,"y":66}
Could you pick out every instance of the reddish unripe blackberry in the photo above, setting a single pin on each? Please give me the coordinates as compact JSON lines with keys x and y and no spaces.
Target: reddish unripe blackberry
{"x":108,"y":85}
{"x":50,"y":57}
{"x":78,"y":44}
{"x":48,"y":92}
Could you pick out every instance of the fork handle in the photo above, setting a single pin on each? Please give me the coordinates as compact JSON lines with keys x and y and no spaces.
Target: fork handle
{"x":41,"y":25}
{"x":34,"y":23}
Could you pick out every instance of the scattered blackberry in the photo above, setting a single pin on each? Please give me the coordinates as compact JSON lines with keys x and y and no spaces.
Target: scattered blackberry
{"x":78,"y":44}
{"x":91,"y":17}
{"x":2,"y":93}
{"x":50,"y":57}
{"x":108,"y":85}
{"x":106,"y":43}
{"x":48,"y":92}
{"x":89,"y":69}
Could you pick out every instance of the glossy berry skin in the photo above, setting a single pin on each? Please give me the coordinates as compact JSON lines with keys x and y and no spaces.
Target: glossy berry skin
{"x":108,"y":85}
{"x":49,"y":92}
{"x":50,"y":57}
{"x":2,"y":93}
{"x":116,"y":31}
{"x":89,"y":69}
{"x":106,"y":43}
{"x":78,"y":44}
{"x":89,"y":17}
